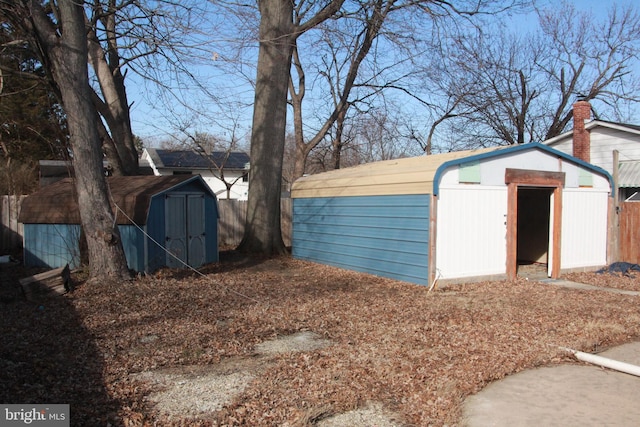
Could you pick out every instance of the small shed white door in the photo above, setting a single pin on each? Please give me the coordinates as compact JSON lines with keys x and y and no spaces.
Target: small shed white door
{"x":185,"y":230}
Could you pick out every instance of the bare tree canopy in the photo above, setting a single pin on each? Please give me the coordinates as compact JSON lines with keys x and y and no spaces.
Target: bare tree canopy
{"x":511,"y":88}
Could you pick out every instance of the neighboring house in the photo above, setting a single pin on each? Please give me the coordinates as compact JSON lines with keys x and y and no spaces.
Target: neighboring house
{"x":615,"y":147}
{"x":455,"y":217}
{"x":156,"y":217}
{"x":232,"y":166}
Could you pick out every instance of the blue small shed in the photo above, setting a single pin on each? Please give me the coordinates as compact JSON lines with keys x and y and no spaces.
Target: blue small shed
{"x":163,"y":221}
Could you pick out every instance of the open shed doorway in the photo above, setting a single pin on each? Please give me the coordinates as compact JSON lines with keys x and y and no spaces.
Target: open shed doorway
{"x":542,"y":185}
{"x":533,"y":231}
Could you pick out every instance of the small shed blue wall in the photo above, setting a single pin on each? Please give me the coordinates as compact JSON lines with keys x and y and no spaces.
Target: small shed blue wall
{"x":383,"y":235}
{"x":51,"y":245}
{"x":55,"y":245}
{"x":133,"y":244}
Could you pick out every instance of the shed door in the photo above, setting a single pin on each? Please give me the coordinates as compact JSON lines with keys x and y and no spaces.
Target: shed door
{"x":184,"y":224}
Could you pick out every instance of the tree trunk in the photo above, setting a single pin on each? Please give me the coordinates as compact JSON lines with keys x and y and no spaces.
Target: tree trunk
{"x":67,"y":54}
{"x":114,"y":108}
{"x":263,"y":229}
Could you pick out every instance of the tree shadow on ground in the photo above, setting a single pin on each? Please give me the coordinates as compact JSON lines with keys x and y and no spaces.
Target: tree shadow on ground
{"x":47,"y":355}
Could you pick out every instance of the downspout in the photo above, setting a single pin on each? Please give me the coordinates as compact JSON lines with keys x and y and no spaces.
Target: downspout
{"x":605,"y":362}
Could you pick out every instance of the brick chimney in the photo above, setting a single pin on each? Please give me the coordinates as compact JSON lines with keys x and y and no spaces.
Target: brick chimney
{"x":581,"y":137}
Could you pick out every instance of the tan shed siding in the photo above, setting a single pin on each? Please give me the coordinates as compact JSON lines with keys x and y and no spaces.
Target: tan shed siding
{"x":584,"y":228}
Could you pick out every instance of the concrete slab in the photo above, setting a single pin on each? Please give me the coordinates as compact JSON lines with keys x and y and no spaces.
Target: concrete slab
{"x":565,"y":395}
{"x":574,"y":285}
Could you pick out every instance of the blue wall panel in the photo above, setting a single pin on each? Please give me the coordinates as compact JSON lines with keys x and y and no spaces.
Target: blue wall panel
{"x":133,"y":244}
{"x":51,"y":245}
{"x":383,"y":235}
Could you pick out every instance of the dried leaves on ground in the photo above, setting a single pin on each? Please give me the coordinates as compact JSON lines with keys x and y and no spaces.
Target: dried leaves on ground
{"x":389,"y":345}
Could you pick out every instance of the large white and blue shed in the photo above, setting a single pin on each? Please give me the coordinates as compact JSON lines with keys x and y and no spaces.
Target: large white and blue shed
{"x":455,"y":217}
{"x":163,"y":221}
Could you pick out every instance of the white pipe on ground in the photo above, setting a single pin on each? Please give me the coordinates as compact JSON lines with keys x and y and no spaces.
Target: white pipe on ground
{"x":616,"y":365}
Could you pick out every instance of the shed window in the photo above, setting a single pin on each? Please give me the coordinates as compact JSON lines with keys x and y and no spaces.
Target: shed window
{"x":469,"y":173}
{"x":585,"y":178}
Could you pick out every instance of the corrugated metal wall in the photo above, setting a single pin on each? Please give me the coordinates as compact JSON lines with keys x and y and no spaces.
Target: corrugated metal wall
{"x":382,"y":235}
{"x":584,"y":228}
{"x":471,"y":233}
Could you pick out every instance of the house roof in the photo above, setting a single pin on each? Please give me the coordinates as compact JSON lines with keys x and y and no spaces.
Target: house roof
{"x":414,"y":175}
{"x":635,"y":129}
{"x":191,"y":159}
{"x":57,"y":203}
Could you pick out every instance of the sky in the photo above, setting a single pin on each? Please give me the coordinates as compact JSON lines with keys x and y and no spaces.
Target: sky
{"x":156,"y":119}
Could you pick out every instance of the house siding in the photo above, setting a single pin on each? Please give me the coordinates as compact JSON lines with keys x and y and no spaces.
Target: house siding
{"x":383,"y":235}
{"x":603,"y":142}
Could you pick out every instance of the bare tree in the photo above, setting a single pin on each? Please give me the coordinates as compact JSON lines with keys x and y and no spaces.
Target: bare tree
{"x":277,"y":36}
{"x":520,"y":88}
{"x":64,"y":54}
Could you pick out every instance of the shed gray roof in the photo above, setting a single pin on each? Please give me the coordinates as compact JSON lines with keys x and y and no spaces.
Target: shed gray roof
{"x":57,"y":203}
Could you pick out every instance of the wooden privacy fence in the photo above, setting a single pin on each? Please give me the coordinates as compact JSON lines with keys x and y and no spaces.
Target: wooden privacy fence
{"x":230,"y":225}
{"x":10,"y":229}
{"x":630,"y":232}
{"x":233,"y":214}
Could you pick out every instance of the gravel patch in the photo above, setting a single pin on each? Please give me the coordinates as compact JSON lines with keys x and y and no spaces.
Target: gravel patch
{"x":373,"y":415}
{"x":301,"y":341}
{"x":189,"y":397}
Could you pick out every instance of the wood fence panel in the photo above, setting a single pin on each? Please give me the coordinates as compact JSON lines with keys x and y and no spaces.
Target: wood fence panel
{"x":231,"y":222}
{"x":630,"y":232}
{"x":233,"y":214}
{"x":11,"y":230}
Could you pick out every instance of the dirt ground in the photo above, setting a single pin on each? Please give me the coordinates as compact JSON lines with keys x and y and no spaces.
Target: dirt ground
{"x":282,"y":342}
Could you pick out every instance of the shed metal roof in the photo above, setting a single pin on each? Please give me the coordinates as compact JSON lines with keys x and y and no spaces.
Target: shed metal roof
{"x":57,"y":203}
{"x":414,"y":175}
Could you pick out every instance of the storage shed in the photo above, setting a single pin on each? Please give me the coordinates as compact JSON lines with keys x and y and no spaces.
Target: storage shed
{"x":456,"y":217}
{"x":156,"y":217}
